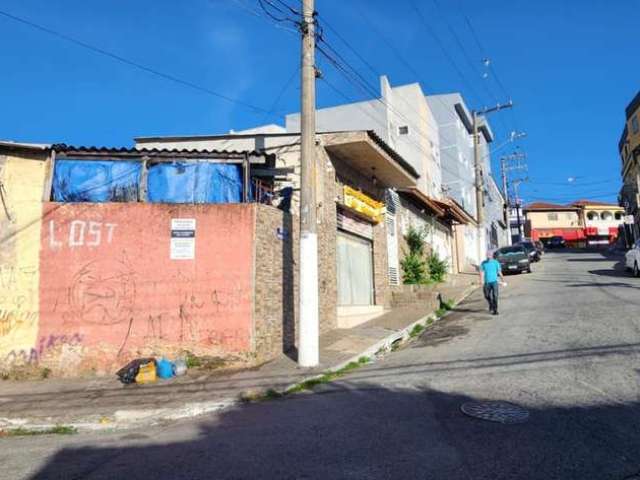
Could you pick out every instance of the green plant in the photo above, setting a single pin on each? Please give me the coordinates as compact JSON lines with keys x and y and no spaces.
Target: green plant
{"x":192,"y":361}
{"x":416,"y":330}
{"x":440,"y":312}
{"x":429,"y":321}
{"x":23,"y":432}
{"x":437,"y":267}
{"x":414,"y":266}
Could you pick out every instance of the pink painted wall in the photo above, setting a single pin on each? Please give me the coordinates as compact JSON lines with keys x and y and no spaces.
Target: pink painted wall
{"x":109,"y":290}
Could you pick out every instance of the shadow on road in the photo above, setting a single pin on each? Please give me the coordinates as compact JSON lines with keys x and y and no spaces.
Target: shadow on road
{"x":362,"y":431}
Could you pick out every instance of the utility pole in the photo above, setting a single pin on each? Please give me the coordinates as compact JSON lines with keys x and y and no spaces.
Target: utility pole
{"x":478,"y":171}
{"x":308,"y":352}
{"x":505,"y":167}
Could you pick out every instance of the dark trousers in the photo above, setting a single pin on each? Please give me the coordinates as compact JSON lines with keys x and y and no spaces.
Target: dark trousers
{"x":491,"y":294}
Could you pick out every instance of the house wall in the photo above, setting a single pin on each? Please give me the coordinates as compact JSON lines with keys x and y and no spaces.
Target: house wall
{"x":96,"y":287}
{"x":276,"y":281}
{"x":400,"y":106}
{"x":345,"y":175}
{"x":456,"y":151}
{"x":22,"y":179}
{"x":439,"y":236}
{"x":566,"y":219}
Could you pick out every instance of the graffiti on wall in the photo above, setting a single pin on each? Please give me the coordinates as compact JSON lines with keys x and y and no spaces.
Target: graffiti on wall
{"x":108,"y":287}
{"x":80,"y":233}
{"x":18,"y":319}
{"x":102,"y":292}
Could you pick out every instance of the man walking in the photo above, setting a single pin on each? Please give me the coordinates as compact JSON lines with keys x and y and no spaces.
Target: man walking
{"x":490,"y":270}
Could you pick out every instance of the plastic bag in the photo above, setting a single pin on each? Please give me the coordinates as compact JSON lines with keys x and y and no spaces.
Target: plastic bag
{"x":146,"y":373}
{"x":164,"y":368}
{"x":128,"y":373}
{"x":179,"y":367}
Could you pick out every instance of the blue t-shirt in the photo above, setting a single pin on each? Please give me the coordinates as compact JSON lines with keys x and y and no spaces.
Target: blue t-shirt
{"x":490,"y":269}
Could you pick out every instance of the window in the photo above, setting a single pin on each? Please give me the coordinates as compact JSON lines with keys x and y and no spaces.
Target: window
{"x":618,"y":215}
{"x":592,"y":216}
{"x":606,"y":216}
{"x":404,"y":130}
{"x":634,"y":124}
{"x":552,"y":217}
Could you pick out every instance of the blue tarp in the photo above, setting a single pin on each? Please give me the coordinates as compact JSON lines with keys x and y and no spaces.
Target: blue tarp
{"x":189,"y":182}
{"x":95,"y":181}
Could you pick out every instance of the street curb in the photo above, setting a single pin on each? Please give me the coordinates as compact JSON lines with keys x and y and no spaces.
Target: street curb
{"x":385,"y":344}
{"x":127,"y":419}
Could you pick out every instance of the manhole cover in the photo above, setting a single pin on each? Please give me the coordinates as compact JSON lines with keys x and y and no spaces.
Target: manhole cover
{"x":501,"y":412}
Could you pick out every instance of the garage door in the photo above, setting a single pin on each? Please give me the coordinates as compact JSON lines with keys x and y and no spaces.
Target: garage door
{"x":355,"y":270}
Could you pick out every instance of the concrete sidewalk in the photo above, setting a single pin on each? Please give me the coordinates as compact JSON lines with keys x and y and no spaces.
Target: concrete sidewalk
{"x":104,"y":403}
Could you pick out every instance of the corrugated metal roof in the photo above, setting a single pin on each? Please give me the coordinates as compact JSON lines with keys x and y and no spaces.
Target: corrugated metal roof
{"x":393,"y":154}
{"x":132,"y":151}
{"x":372,"y":135}
{"x":27,"y":146}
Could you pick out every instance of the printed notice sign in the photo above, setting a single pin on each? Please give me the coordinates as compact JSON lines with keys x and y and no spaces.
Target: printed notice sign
{"x":183,"y":238}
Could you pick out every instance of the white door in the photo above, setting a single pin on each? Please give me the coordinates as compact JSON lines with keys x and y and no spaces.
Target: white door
{"x":355,"y":270}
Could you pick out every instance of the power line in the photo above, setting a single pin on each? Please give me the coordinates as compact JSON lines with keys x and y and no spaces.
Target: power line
{"x":263,"y":16}
{"x":288,"y":7}
{"x":271,"y":15}
{"x":464,"y":51}
{"x":377,"y":121}
{"x":450,"y":59}
{"x":281,"y":94}
{"x":487,"y":59}
{"x":132,"y":63}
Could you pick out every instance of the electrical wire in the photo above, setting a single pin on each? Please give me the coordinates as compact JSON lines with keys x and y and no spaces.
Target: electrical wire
{"x":444,"y":51}
{"x":132,"y":63}
{"x":284,"y":89}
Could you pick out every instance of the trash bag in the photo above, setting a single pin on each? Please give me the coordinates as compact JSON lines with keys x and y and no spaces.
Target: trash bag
{"x":128,"y":373}
{"x":146,"y":373}
{"x":179,"y":367}
{"x":164,"y":368}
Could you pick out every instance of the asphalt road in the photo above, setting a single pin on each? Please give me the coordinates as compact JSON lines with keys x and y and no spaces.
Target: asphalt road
{"x":566,"y":346}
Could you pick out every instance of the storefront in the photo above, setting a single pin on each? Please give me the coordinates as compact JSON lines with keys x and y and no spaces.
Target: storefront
{"x":354,"y":248}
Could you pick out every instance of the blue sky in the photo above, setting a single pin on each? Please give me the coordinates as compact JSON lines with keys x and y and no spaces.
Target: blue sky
{"x":570,"y":66}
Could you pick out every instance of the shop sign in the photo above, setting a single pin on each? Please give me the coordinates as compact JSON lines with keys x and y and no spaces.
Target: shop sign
{"x":363,"y":204}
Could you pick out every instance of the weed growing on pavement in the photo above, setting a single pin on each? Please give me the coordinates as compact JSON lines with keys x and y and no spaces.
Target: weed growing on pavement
{"x":429,"y":321}
{"x":24,"y":432}
{"x":440,"y":312}
{"x":416,"y":330}
{"x":328,"y":376}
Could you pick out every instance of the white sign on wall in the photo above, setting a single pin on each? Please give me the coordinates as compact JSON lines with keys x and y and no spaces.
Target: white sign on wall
{"x":183,"y":239}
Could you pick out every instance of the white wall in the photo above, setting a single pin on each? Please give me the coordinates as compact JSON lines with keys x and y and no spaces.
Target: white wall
{"x":399,"y":106}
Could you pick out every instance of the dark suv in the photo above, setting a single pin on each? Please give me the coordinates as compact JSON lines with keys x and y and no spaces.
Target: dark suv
{"x":513,"y":259}
{"x":532,"y":251}
{"x":556,"y":242}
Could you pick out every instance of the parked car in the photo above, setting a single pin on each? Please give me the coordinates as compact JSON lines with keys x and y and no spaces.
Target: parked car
{"x":531,"y":250}
{"x":632,"y":259}
{"x":556,"y":242}
{"x":513,"y":259}
{"x":539,"y":246}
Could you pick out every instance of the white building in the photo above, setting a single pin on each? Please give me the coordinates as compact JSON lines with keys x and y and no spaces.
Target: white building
{"x":455,"y":123}
{"x":401,"y":117}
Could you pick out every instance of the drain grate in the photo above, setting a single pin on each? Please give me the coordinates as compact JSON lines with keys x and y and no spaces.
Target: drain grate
{"x":501,"y":412}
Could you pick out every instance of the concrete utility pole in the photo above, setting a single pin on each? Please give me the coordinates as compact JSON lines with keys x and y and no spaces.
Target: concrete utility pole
{"x":505,"y":168}
{"x":478,"y":172}
{"x":308,"y":352}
